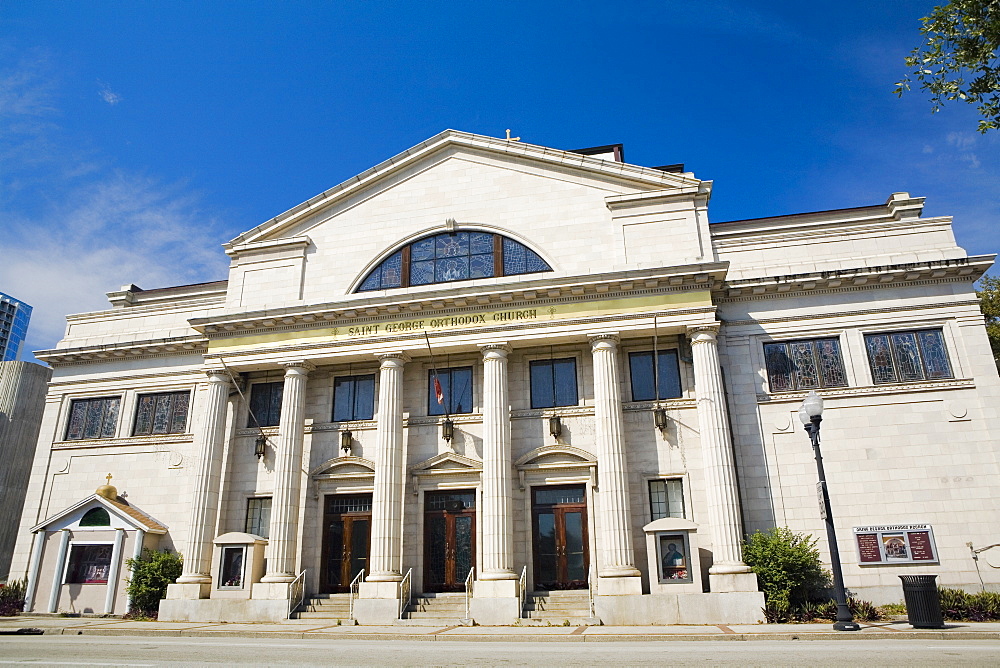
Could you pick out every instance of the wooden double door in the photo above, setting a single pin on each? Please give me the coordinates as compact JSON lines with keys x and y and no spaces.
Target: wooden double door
{"x":347,"y":521}
{"x":559,"y":532}
{"x":449,"y":539}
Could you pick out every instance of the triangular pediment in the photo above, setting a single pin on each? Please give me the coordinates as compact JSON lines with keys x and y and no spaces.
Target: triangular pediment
{"x":346,"y":467}
{"x":122,"y":516}
{"x":557,"y":455}
{"x":447,"y":462}
{"x":451,"y":145}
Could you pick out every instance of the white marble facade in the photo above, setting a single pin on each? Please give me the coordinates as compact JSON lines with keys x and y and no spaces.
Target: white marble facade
{"x":633,"y":258}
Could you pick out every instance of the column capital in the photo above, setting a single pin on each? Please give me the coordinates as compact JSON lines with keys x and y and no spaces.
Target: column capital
{"x":305,"y":365}
{"x":495,"y":350}
{"x":707,"y":333}
{"x":603,"y":340}
{"x":397,"y":357}
{"x":217,"y":375}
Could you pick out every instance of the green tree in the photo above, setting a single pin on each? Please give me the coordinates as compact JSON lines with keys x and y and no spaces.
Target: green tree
{"x":787,"y":565}
{"x":989,"y":302}
{"x":151,"y":573}
{"x":959,"y":58}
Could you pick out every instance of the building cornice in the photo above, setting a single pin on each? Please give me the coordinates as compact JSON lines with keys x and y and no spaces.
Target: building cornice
{"x":869,"y":390}
{"x":130,"y":350}
{"x":840,"y":280}
{"x":451,"y":301}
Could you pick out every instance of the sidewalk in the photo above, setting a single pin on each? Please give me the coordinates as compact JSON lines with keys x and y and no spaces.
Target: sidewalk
{"x":300,"y":629}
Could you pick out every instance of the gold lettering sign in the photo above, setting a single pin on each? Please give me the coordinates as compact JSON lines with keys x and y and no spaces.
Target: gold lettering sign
{"x":467,"y":321}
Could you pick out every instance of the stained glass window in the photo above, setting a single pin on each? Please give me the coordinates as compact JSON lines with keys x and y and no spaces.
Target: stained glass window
{"x":89,"y":564}
{"x":804,"y":365}
{"x":904,"y":357}
{"x":93,"y":418}
{"x":161,"y":413}
{"x":453,"y":256}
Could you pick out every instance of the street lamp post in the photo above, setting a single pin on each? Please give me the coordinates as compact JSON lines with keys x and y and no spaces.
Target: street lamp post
{"x":811,"y":414}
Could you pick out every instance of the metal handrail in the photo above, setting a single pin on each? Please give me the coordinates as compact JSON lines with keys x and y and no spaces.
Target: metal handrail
{"x":296,"y":593}
{"x":592,"y":588}
{"x":355,"y":591}
{"x":522,"y":585}
{"x":404,"y":592}
{"x":470,"y":581}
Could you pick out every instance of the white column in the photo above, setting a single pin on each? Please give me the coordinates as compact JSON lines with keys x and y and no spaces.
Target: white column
{"x":116,"y":558}
{"x":617,"y":556}
{"x":387,"y":500}
{"x":36,"y":562}
{"x":140,"y":538}
{"x":205,"y":499}
{"x":284,"y":529}
{"x":498,"y":526}
{"x":717,"y":449}
{"x":57,"y":576}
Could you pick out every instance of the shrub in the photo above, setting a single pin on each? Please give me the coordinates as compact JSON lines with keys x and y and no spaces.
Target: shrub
{"x":788,"y":567}
{"x":151,"y":573}
{"x":12,"y":598}
{"x":958,"y":605}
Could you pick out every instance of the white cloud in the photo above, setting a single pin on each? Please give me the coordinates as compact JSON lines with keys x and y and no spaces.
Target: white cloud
{"x":108,"y":95}
{"x":75,"y":228}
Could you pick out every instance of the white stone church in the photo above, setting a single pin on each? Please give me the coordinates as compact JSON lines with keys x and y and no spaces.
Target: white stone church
{"x":491,"y":381}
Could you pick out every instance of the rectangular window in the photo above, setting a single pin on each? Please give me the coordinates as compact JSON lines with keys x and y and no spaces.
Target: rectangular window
{"x":93,"y":418}
{"x":904,"y":357}
{"x":668,"y":374}
{"x":231,"y":567}
{"x":553,"y":383}
{"x":265,"y":404}
{"x":666,"y":498}
{"x":456,"y":391}
{"x":353,"y":398}
{"x":804,"y":365}
{"x":673,"y":550}
{"x":259,"y":516}
{"x":89,"y":564}
{"x":164,"y":413}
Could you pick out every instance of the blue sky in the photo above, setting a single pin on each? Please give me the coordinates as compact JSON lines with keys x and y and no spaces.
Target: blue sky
{"x":137,"y":137}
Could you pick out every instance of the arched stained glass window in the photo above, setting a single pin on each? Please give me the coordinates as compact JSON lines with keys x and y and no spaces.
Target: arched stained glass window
{"x":96,"y":517}
{"x":453,"y":256}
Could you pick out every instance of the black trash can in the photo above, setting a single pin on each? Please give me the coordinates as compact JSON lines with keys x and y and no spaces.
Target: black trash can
{"x":923,"y":607}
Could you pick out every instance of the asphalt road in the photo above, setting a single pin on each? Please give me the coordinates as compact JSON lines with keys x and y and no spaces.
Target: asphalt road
{"x":143,"y":652}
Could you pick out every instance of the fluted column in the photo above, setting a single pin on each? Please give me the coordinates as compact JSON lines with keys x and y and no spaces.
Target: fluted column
{"x":284,"y":529}
{"x":498,"y":526}
{"x":717,"y":446}
{"x":617,"y":557}
{"x":205,"y":499}
{"x":387,"y":500}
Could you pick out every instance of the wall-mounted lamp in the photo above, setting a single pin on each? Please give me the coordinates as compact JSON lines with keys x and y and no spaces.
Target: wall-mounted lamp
{"x":448,"y":430}
{"x":555,"y":426}
{"x":346,"y":441}
{"x":259,"y":445}
{"x":660,"y":418}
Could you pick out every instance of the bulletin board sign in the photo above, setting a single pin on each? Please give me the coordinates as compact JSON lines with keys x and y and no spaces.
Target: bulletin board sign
{"x":888,"y":544}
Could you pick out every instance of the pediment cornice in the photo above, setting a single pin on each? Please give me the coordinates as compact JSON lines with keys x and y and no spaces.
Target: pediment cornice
{"x":129,"y":350}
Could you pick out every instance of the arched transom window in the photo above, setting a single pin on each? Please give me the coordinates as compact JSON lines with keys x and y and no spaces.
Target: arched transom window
{"x":453,"y":256}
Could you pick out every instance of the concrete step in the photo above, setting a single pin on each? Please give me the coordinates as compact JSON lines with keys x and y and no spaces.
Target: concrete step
{"x":556,"y":621}
{"x":333,"y":618}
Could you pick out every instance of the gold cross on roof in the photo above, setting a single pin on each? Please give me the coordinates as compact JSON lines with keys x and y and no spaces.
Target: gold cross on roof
{"x":109,"y":478}
{"x":509,"y":138}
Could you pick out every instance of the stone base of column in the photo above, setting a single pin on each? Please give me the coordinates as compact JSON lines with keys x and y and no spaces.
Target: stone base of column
{"x":188,"y":591}
{"x":378,"y":603}
{"x":665,"y":609}
{"x":269,"y":591}
{"x":276,"y":578}
{"x":621,"y":586}
{"x":730,"y":582}
{"x":495,"y":602}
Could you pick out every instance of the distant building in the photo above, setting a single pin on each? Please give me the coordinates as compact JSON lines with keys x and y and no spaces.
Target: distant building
{"x":14,"y":316}
{"x":22,"y":400}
